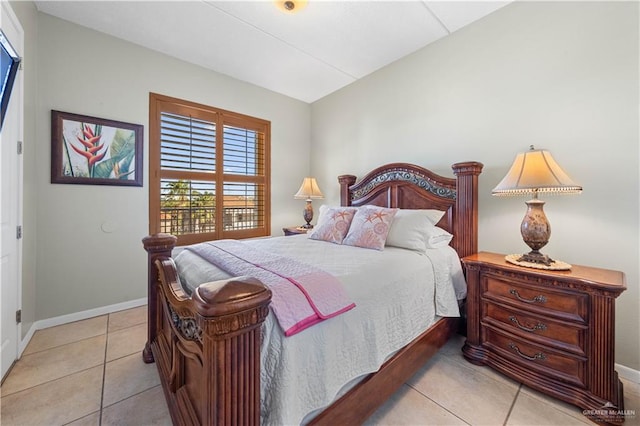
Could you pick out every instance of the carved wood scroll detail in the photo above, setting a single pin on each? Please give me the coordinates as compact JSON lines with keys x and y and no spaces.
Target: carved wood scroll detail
{"x":186,"y":326}
{"x":409,"y":177}
{"x":233,"y":323}
{"x":547,"y":282}
{"x":189,"y":327}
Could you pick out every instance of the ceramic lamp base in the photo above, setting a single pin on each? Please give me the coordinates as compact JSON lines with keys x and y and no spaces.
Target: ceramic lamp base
{"x":307,"y":214}
{"x":535,"y":228}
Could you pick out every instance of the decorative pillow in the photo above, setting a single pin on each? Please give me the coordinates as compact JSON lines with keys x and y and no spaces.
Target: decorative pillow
{"x":370,"y":227}
{"x":437,"y":237}
{"x":324,"y":208}
{"x":333,"y":224}
{"x":408,"y":229}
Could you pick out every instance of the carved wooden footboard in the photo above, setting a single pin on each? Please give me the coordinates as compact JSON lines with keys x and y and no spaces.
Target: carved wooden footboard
{"x":207,"y":345}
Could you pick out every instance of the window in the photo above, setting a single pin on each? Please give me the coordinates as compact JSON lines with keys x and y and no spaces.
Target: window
{"x":9,"y":63}
{"x":208,"y":172}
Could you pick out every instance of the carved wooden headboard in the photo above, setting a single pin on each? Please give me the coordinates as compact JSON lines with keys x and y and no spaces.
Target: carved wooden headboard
{"x":408,"y":186}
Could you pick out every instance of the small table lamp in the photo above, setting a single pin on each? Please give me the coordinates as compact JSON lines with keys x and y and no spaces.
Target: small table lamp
{"x":533,"y":172}
{"x":308,"y":190}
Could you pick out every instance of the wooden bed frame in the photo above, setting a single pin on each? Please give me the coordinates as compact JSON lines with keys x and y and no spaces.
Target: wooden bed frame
{"x":207,"y":345}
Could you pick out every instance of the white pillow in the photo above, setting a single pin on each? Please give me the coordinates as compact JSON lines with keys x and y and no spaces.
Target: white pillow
{"x":409,"y":228}
{"x":433,"y":215}
{"x":437,"y":237}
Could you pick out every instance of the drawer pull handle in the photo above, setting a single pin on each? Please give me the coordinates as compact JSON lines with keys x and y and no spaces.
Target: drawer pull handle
{"x":539,"y":326}
{"x":538,"y":299}
{"x":535,"y":357}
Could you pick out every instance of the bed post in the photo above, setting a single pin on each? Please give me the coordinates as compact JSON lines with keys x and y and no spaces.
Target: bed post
{"x":466,"y":220}
{"x":156,"y":245}
{"x":345,"y":182}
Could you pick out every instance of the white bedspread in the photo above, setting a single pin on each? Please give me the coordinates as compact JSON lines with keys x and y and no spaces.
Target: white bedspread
{"x":398,"y":294}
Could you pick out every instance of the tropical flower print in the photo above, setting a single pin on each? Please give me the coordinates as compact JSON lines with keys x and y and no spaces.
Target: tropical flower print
{"x":96,"y":151}
{"x":93,"y":150}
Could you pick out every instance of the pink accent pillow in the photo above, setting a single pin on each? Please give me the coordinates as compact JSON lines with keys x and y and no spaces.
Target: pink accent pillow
{"x":370,"y":227}
{"x":335,"y":225}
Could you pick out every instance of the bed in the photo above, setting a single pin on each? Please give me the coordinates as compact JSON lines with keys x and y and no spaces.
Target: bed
{"x":207,"y":343}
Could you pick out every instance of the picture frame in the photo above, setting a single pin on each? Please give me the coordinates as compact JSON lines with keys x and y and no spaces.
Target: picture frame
{"x":95,"y":151}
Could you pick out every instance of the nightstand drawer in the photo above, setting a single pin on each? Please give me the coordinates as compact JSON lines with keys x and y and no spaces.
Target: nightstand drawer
{"x":540,"y":329}
{"x":541,"y":359}
{"x":561,"y":304}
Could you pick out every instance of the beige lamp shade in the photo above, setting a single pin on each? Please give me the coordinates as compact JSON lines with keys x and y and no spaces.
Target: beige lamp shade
{"x":309,"y":189}
{"x":535,"y":171}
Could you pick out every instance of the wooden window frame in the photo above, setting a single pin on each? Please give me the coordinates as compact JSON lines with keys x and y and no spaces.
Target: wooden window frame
{"x":160,"y":103}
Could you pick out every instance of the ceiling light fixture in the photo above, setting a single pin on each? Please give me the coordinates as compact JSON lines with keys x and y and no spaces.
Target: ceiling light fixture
{"x":291,"y":6}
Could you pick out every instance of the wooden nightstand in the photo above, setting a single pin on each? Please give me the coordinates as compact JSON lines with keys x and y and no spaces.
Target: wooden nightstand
{"x":295,"y":230}
{"x":551,"y":330}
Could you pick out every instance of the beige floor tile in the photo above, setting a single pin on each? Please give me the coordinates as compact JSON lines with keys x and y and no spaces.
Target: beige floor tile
{"x":453,"y":351}
{"x":454,"y":346}
{"x":126,"y":341}
{"x":630,"y":387}
{"x":55,"y":403}
{"x":41,"y":367}
{"x":67,"y":333}
{"x":631,"y":406}
{"x":472,"y":396}
{"x":528,"y":410}
{"x":146,"y":408}
{"x":92,"y":419}
{"x":409,"y":407}
{"x":127,"y":318}
{"x":128,"y":376}
{"x":550,"y":401}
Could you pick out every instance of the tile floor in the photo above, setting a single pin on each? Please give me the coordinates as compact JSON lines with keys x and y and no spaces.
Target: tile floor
{"x":91,"y":373}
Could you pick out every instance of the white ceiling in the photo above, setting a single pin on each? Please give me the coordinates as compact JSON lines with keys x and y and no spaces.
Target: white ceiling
{"x":325,"y":46}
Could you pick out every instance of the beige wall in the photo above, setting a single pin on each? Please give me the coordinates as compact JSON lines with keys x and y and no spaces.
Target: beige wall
{"x":78,"y":266}
{"x":560,"y":76}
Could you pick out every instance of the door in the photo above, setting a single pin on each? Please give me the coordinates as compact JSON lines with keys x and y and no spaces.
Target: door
{"x":11,"y":203}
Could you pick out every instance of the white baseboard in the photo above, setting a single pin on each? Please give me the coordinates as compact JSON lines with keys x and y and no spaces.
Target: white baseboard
{"x":628,"y":373}
{"x":77,"y":316}
{"x":27,"y":338}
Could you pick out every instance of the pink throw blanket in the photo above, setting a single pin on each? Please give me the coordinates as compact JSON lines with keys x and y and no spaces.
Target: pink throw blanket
{"x":302,"y":294}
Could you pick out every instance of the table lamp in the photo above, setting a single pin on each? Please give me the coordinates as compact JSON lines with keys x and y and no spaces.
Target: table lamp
{"x":533,"y":172}
{"x":308,"y":190}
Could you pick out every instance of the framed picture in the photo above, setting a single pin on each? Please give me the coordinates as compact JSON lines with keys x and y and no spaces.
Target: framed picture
{"x":94,"y":151}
